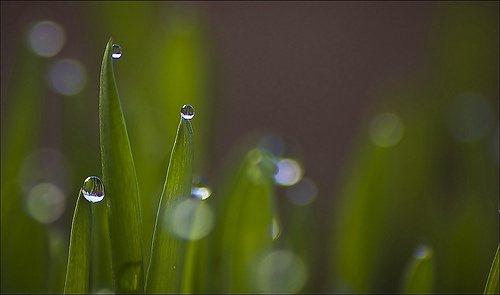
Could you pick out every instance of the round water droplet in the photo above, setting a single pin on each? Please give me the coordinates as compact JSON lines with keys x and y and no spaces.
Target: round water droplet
{"x":289,"y":172}
{"x":117,"y":51}
{"x":187,"y":112}
{"x":201,"y":192}
{"x":93,"y":189}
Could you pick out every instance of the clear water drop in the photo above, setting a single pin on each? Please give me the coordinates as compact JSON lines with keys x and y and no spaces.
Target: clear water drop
{"x":93,"y":189}
{"x":201,"y":192}
{"x":117,"y":51}
{"x":187,"y":112}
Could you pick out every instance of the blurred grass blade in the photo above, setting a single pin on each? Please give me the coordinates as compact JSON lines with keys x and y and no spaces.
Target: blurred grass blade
{"x":194,"y":278}
{"x":23,"y":111}
{"x":78,"y":269}
{"x":492,"y":283}
{"x":419,"y":273}
{"x":120,"y":182}
{"x":167,"y":251}
{"x":245,"y":209}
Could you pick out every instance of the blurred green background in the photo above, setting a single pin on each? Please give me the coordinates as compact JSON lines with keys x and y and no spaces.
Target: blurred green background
{"x":390,"y":110}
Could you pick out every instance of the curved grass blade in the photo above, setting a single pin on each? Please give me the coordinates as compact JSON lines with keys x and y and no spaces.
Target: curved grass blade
{"x":419,"y":274}
{"x":245,"y":210}
{"x":78,"y":269}
{"x":119,"y":176}
{"x":492,"y":283}
{"x":167,"y":251}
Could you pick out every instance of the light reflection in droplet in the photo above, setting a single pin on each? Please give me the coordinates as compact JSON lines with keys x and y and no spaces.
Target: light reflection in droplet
{"x":201,"y":192}
{"x":422,"y":251}
{"x":68,"y":77}
{"x":470,"y":117}
{"x":386,"y":130}
{"x":45,"y":202}
{"x":46,"y":38}
{"x":117,"y":51}
{"x":280,"y":271}
{"x":93,"y":189}
{"x":187,"y":112}
{"x":190,"y":219}
{"x":289,"y":172}
{"x":302,"y":193}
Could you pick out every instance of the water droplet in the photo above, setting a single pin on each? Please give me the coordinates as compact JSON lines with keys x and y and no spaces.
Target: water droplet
{"x":289,"y":172}
{"x":93,"y":189}
{"x":117,"y":51}
{"x":187,"y":112}
{"x":201,"y":192}
{"x":422,"y":251}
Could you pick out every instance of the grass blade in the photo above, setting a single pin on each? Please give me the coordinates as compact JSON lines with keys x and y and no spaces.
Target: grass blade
{"x":120,"y":180}
{"x":245,"y":208}
{"x":419,"y":274}
{"x":78,"y":269}
{"x":22,"y":112}
{"x":492,"y":283}
{"x":167,"y":251}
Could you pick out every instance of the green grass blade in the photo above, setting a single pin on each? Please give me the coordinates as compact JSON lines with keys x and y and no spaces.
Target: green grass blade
{"x":245,"y":209}
{"x":21,"y":114}
{"x":492,"y":283}
{"x":194,"y":278}
{"x":120,"y":182}
{"x":78,"y":269}
{"x":167,"y":251}
{"x":419,"y":274}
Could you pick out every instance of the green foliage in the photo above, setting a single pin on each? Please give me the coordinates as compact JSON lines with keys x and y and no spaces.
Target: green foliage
{"x":122,"y":196}
{"x":419,"y":275}
{"x":79,"y":257}
{"x":167,"y":253}
{"x":492,"y":283}
{"x":426,"y":187}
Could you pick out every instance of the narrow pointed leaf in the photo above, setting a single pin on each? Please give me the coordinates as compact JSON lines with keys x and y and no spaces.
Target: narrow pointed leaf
{"x":419,"y":274}
{"x":167,"y":251}
{"x":120,"y":181}
{"x":78,"y":268}
{"x":492,"y":283}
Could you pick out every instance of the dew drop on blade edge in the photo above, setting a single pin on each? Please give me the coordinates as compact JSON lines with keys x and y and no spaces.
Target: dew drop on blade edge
{"x":93,"y":189}
{"x":117,"y":51}
{"x":187,"y":112}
